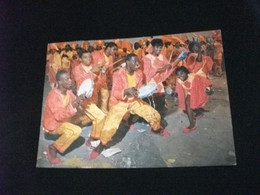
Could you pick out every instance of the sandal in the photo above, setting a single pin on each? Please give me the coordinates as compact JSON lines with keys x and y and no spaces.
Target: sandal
{"x":132,"y":127}
{"x":163,"y":132}
{"x":55,"y":161}
{"x":93,"y":155}
{"x":88,"y":144}
{"x":188,"y":130}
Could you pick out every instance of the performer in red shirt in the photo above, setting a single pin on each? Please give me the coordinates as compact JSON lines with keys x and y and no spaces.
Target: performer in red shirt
{"x":198,"y":63}
{"x":193,"y":91}
{"x":85,"y":70}
{"x":105,"y":58}
{"x":157,"y":68}
{"x":124,"y":99}
{"x":61,"y":106}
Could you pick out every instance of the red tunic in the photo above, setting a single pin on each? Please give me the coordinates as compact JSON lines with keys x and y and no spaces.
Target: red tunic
{"x":100,"y":58}
{"x":55,"y":112}
{"x":80,"y":75}
{"x":202,"y":68}
{"x":151,"y":64}
{"x":120,"y":83}
{"x":195,"y":86}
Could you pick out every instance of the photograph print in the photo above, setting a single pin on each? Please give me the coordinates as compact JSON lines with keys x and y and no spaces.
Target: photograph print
{"x":157,"y":101}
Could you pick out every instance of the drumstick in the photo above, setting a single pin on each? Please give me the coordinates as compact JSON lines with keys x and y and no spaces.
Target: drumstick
{"x":115,"y":68}
{"x":112,"y":65}
{"x":170,"y":56}
{"x":117,"y":61}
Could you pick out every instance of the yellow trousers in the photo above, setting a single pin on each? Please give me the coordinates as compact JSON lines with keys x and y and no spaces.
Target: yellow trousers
{"x":97,"y":117}
{"x":80,"y":119}
{"x":104,"y":98}
{"x":69,"y":133}
{"x":118,"y":111}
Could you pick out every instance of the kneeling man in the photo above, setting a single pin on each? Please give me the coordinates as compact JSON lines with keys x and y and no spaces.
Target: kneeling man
{"x":61,"y":105}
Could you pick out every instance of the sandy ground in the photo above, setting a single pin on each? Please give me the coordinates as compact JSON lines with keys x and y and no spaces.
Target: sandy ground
{"x":211,"y":144}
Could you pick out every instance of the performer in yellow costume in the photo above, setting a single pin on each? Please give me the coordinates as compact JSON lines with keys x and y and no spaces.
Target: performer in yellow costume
{"x":124,"y":99}
{"x":105,"y":58}
{"x":80,"y":73}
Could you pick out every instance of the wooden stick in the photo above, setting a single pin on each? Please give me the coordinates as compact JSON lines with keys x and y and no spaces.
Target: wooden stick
{"x":117,"y":61}
{"x":170,"y":57}
{"x":112,"y":65}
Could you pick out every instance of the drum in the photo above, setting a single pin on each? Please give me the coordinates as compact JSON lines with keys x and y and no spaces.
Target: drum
{"x":86,"y":88}
{"x":147,"y":90}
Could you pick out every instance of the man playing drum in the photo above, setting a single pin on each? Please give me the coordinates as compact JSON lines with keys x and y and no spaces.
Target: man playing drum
{"x":61,"y":105}
{"x":86,"y":71}
{"x":124,"y":99}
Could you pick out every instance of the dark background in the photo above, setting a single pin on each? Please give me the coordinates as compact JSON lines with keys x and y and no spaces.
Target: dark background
{"x":25,"y":30}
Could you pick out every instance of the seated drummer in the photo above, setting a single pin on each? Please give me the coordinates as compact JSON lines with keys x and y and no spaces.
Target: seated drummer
{"x":157,"y":68}
{"x":61,"y":106}
{"x":124,"y":99}
{"x":86,"y":70}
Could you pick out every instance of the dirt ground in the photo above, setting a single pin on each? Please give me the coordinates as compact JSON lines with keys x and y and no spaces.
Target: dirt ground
{"x":211,"y":144}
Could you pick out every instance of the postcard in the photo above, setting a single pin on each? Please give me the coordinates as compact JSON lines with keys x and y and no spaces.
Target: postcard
{"x":158,"y":101}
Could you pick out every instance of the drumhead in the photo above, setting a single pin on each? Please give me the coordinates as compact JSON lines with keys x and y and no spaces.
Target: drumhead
{"x":147,"y":90}
{"x":86,"y":88}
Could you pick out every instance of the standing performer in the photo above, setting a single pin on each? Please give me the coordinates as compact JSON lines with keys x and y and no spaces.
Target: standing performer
{"x":198,"y":63}
{"x":80,"y":73}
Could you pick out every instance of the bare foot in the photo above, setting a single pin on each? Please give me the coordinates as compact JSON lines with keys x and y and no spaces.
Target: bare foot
{"x":161,"y":132}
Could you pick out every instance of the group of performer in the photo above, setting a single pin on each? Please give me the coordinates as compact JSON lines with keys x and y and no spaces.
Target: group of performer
{"x":118,"y":71}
